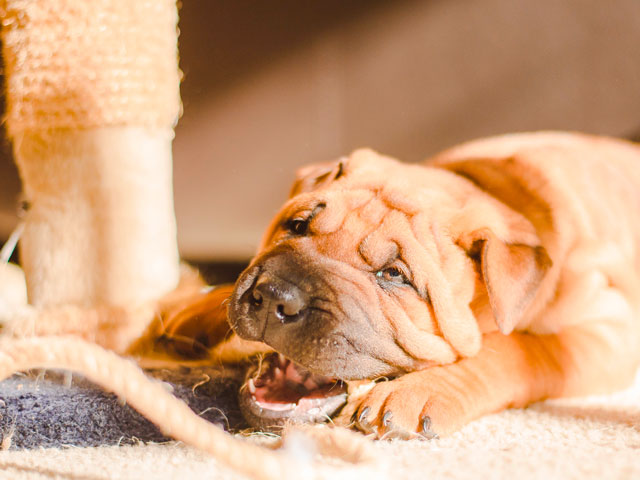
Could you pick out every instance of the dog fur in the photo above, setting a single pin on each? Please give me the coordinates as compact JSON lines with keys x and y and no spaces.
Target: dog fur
{"x":501,"y":272}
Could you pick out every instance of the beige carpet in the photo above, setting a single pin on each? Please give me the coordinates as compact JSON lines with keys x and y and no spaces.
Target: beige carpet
{"x":596,"y":437}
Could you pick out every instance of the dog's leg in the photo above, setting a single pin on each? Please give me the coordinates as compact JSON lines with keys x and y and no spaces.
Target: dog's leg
{"x":509,"y":371}
{"x":193,"y":325}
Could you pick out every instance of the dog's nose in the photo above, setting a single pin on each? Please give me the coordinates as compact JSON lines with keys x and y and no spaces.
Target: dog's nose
{"x":274,"y":298}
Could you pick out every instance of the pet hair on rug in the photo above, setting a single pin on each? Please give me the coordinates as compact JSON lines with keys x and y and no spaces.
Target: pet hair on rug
{"x":53,"y":409}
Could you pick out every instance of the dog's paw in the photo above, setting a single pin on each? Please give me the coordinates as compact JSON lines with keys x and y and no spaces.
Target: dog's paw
{"x":416,"y":405}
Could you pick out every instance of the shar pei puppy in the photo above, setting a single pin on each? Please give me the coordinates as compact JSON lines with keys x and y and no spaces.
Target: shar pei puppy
{"x":501,"y":272}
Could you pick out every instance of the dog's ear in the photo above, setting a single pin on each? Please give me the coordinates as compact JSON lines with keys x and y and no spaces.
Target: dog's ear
{"x":312,"y":177}
{"x":512,"y":274}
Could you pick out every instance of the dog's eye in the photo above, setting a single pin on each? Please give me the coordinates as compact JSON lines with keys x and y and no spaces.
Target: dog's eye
{"x":298,"y":226}
{"x":391,"y":275}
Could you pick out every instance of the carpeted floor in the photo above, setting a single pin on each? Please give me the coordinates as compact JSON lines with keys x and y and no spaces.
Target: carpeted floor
{"x":596,"y":437}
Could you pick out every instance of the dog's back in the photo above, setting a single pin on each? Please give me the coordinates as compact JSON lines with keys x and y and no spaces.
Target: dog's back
{"x":582,"y":193}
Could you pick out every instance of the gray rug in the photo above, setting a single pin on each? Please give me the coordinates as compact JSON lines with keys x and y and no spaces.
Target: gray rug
{"x":50,"y":409}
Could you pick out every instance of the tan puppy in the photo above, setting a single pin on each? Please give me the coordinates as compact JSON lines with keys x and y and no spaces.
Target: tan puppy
{"x":505,"y":271}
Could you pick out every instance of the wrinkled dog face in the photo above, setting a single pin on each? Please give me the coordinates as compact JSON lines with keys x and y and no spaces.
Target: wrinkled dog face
{"x":344,"y":280}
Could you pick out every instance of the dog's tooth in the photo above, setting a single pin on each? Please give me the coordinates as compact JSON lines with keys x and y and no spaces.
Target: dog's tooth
{"x":278,"y":372}
{"x":282,"y":359}
{"x":252,"y":386}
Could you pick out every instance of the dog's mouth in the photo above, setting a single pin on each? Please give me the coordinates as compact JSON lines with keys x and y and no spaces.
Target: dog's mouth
{"x":278,"y":391}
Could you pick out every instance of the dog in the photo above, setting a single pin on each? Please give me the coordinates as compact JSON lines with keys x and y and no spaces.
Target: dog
{"x":500,"y":272}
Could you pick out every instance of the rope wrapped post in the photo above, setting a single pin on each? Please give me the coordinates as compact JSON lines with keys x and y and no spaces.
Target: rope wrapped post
{"x":92,"y":98}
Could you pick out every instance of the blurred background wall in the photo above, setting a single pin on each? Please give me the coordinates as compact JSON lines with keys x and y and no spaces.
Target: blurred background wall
{"x":272,"y":85}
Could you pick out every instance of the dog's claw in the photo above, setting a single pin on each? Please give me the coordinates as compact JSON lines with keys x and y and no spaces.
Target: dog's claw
{"x":363,"y":415}
{"x":427,"y":433}
{"x":386,"y":419}
{"x":363,"y":424}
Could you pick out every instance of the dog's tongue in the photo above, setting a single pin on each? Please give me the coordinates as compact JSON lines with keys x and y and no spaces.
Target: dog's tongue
{"x":279,"y":391}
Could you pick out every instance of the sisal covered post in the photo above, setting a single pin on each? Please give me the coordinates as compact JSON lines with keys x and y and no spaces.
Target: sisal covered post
{"x":92,"y":97}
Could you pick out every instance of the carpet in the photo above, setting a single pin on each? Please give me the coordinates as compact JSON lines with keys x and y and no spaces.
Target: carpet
{"x":54,"y":409}
{"x":583,"y":438}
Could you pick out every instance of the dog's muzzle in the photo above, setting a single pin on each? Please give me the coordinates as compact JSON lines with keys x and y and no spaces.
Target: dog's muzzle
{"x":316,"y":319}
{"x":271,"y":299}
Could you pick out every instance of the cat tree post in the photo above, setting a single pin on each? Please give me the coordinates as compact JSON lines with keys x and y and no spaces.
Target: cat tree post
{"x":92,"y":97}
